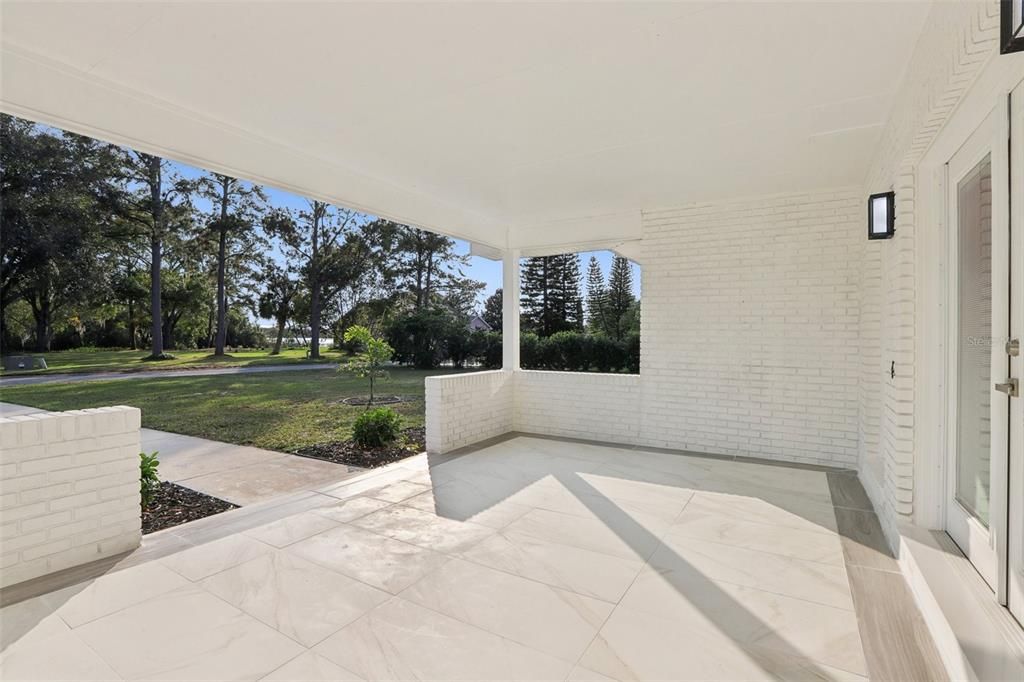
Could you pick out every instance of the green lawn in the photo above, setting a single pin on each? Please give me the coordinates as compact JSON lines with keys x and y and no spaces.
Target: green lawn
{"x":120,"y":360}
{"x":280,"y":411}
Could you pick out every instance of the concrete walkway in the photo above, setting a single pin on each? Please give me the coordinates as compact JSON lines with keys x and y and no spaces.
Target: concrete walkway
{"x":19,"y":380}
{"x":239,"y":474}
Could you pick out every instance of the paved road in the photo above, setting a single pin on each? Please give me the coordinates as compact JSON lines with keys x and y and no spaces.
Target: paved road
{"x":155,"y":374}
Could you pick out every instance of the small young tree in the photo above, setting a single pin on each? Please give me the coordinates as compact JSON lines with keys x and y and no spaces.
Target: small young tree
{"x":370,"y":361}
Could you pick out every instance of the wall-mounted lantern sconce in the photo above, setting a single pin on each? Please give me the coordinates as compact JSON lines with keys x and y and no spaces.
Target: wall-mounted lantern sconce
{"x":1011,"y":26}
{"x":882,"y":215}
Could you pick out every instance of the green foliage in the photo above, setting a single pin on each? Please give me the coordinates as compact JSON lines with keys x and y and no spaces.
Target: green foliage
{"x":149,"y":481}
{"x":376,"y":427}
{"x":576,"y":352}
{"x":420,"y":338}
{"x":370,"y":361}
{"x":490,"y":353}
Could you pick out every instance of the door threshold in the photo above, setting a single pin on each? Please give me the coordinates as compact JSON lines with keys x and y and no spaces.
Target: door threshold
{"x":977,"y":637}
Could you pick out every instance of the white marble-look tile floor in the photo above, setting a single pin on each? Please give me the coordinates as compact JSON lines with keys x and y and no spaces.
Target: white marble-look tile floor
{"x":530,"y":559}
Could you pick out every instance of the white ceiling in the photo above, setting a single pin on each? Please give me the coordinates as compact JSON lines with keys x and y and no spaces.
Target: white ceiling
{"x":509,"y":124}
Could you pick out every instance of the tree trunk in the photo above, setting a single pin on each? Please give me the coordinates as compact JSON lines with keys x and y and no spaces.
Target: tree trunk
{"x":156,"y":251}
{"x":42,"y":317}
{"x":314,"y":322}
{"x":156,"y":257}
{"x":222,"y":328}
{"x":280,"y":336}
{"x":131,"y":324}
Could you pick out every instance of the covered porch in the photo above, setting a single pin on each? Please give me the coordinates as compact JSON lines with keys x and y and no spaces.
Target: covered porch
{"x":527,"y":558}
{"x":759,"y":502}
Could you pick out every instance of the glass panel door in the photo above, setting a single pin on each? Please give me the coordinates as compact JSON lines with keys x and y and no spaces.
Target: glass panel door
{"x":979,"y":290}
{"x":974,"y":366}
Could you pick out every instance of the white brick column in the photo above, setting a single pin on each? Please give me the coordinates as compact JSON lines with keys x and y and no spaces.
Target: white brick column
{"x":510,"y":310}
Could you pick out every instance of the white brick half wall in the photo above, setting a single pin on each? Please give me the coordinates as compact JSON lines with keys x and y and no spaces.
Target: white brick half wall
{"x":604,"y":407}
{"x":463,"y":409}
{"x":69,"y":489}
{"x":749,"y":343}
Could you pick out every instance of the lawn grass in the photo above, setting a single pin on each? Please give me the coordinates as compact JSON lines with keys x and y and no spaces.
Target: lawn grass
{"x":123,"y":360}
{"x":277,"y":410}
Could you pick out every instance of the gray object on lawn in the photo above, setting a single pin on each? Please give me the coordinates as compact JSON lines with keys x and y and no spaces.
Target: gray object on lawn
{"x":16,"y":362}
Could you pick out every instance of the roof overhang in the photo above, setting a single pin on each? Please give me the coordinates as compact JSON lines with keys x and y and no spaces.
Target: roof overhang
{"x":539,"y":126}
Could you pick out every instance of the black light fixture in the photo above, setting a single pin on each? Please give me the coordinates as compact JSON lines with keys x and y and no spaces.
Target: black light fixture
{"x":1011,"y":26}
{"x":882,"y":215}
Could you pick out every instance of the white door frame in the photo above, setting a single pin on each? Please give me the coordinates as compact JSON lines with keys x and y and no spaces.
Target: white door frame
{"x":986,"y":546}
{"x":992,"y":87}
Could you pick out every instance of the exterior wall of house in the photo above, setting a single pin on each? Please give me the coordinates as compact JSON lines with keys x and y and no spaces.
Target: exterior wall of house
{"x":69,"y":490}
{"x":462,"y":409}
{"x":957,"y":41}
{"x":749,"y":339}
{"x":602,"y":407}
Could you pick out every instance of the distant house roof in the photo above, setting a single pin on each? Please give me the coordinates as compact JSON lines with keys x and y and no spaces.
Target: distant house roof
{"x":478,"y":324}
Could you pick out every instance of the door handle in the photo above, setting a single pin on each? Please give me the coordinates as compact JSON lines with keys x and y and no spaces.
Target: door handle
{"x":1010,"y":388}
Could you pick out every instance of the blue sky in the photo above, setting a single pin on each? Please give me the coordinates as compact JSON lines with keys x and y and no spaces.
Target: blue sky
{"x":482,"y":269}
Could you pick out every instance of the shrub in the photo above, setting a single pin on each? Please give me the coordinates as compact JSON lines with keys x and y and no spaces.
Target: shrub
{"x":491,"y":356}
{"x":148,"y":480}
{"x":376,"y":427}
{"x":529,"y":351}
{"x":633,"y":352}
{"x":608,"y":354}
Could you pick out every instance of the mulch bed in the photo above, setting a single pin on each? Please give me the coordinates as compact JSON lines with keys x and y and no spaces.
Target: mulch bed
{"x":173,"y":505}
{"x":412,"y":442}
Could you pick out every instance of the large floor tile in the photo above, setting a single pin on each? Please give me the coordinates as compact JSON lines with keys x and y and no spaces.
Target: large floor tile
{"x":809,"y":545}
{"x":539,"y":616}
{"x":451,"y":501}
{"x":398,"y":491}
{"x":187,"y":634}
{"x":296,"y":597}
{"x":352,"y":508}
{"x":62,"y":656}
{"x":31,"y":620}
{"x":213,"y":557}
{"x":376,"y":560}
{"x":292,"y":528}
{"x":635,"y":645}
{"x":824,"y":583}
{"x":767,"y":482}
{"x":583,"y":571}
{"x":310,"y":667}
{"x":792,"y":512}
{"x":425,"y":529}
{"x":618,"y":534}
{"x":401,"y":640}
{"x":754,"y":618}
{"x":115,"y":591}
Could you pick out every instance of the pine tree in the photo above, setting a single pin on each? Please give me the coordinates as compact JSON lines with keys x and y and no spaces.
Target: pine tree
{"x":597,"y":296}
{"x":620,"y":298}
{"x":493,"y":310}
{"x":571,"y":294}
{"x":550,"y":294}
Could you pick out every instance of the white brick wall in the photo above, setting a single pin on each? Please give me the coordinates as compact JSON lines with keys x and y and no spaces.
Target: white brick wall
{"x":603,"y":407}
{"x":462,"y":409}
{"x":749,"y":343}
{"x":749,"y":339}
{"x":956,"y":42}
{"x":69,"y":489}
